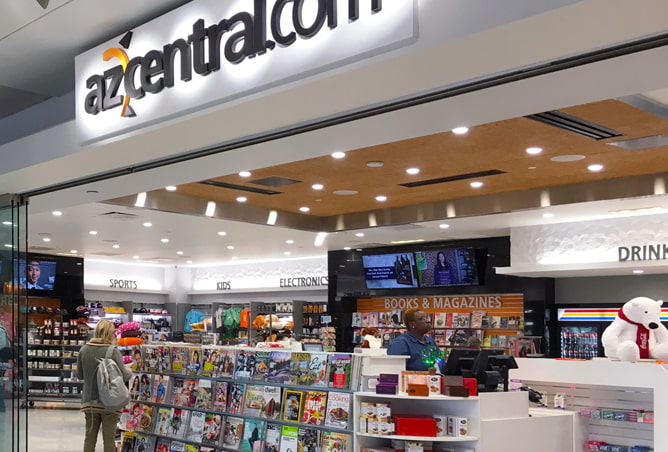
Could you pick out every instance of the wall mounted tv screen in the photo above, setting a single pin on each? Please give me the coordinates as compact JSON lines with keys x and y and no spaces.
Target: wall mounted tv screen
{"x":446,"y":267}
{"x":37,"y":274}
{"x":389,"y":271}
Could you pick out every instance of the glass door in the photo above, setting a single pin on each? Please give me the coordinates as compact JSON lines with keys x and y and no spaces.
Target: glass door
{"x":13,"y":318}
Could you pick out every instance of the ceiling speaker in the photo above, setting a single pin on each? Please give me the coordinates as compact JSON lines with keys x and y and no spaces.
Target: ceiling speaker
{"x":43,"y":3}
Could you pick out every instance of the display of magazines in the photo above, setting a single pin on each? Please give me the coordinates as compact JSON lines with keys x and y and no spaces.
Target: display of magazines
{"x":190,"y":398}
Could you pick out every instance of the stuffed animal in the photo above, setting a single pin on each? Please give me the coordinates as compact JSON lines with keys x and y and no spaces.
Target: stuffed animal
{"x":637,"y":332}
{"x":371,"y":338}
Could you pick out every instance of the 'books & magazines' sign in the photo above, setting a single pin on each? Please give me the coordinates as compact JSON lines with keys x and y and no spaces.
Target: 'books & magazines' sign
{"x":211,"y":51}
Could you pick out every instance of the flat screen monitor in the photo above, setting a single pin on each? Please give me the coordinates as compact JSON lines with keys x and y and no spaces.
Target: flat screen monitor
{"x":446,"y":267}
{"x":312,"y":347}
{"x":389,"y":271}
{"x":37,"y":274}
{"x":460,"y":362}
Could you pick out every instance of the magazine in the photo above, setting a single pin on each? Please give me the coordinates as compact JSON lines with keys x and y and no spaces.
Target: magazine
{"x":225,"y":363}
{"x":338,"y":409}
{"x":315,"y":403}
{"x":134,"y":386}
{"x":253,"y":400}
{"x":209,"y":361}
{"x":143,"y":443}
{"x":308,"y":439}
{"x":127,"y":442}
{"x":196,"y":429}
{"x":289,"y":436}
{"x":160,"y":386}
{"x":138,"y":363}
{"x":271,"y":402}
{"x":220,"y":397}
{"x":145,"y":387}
{"x":146,"y":420}
{"x":299,"y":368}
{"x":179,"y":360}
{"x":262,"y":360}
{"x":173,"y":423}
{"x":184,"y":392}
{"x":135,"y":420}
{"x":192,"y":448}
{"x":235,"y":397}
{"x":335,"y":442}
{"x":318,"y":369}
{"x":162,"y":445}
{"x":233,"y":432}
{"x":292,"y":405}
{"x":272,"y":437}
{"x":151,"y":358}
{"x":279,"y":367}
{"x":164,"y":358}
{"x":245,"y":365}
{"x":253,"y":435}
{"x":164,"y":417}
{"x":194,"y":361}
{"x":213,"y":427}
{"x":204,"y":395}
{"x":177,"y":446}
{"x":339,"y":370}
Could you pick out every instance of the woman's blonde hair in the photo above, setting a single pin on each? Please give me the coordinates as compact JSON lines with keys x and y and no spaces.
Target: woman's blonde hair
{"x":105,"y":331}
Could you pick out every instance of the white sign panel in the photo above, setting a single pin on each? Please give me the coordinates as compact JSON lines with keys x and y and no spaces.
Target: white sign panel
{"x":210,"y":51}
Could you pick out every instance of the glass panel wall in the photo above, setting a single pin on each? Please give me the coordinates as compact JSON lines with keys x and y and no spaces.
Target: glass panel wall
{"x":13,"y":318}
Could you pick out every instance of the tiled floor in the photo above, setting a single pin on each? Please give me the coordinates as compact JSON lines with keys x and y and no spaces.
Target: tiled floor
{"x":50,"y":430}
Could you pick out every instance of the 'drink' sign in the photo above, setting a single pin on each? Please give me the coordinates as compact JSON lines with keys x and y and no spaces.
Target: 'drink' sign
{"x":211,"y":51}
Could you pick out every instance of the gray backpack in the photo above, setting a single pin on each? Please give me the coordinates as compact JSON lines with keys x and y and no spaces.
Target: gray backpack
{"x":114,"y":395}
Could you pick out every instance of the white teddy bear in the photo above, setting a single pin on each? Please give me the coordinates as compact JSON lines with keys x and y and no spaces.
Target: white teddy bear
{"x":637,"y":332}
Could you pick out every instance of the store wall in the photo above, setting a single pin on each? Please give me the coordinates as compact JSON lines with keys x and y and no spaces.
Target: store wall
{"x":613,"y":290}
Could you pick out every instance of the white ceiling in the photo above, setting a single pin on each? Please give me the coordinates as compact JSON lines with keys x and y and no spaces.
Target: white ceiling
{"x":32,"y":39}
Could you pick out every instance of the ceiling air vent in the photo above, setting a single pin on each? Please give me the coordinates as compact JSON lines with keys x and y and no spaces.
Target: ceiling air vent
{"x":275,"y":181}
{"x":218,"y":184}
{"x":574,"y":125}
{"x":119,"y":216}
{"x":442,"y":180}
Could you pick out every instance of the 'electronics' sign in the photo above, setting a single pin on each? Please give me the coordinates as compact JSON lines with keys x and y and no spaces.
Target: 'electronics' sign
{"x":211,"y":51}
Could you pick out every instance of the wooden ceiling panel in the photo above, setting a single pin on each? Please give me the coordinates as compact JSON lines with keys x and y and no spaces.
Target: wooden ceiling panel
{"x":500,"y":145}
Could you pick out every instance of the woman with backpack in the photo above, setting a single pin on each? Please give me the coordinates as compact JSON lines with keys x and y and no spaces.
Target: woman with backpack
{"x":97,"y":416}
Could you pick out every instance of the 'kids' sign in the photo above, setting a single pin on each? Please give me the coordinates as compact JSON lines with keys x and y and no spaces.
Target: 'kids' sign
{"x":211,"y":51}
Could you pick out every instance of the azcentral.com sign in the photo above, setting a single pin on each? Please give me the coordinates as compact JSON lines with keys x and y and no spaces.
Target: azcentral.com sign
{"x":211,"y":51}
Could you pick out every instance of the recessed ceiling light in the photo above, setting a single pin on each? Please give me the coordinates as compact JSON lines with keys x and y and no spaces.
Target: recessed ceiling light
{"x":381,"y":198}
{"x":534,"y":150}
{"x":147,"y":224}
{"x":375,"y":164}
{"x":180,"y":253}
{"x":548,"y":215}
{"x":222,"y":233}
{"x":74,"y":251}
{"x":135,"y":257}
{"x":46,"y":239}
{"x":347,"y":248}
{"x":304,"y":209}
{"x":164,"y":240}
{"x":170,"y":188}
{"x":189,"y":262}
{"x":338,"y":155}
{"x":242,"y":199}
{"x":444,"y":225}
{"x":56,"y":213}
{"x":359,"y":234}
{"x":595,"y":168}
{"x":92,"y":232}
{"x":476,"y":184}
{"x":638,"y":272}
{"x":230,"y":247}
{"x":345,"y":192}
{"x":210,"y":209}
{"x":413,"y":171}
{"x":567,"y":158}
{"x":289,"y":242}
{"x":116,"y":246}
{"x":460,"y":130}
{"x":287,"y":253}
{"x":532,"y":167}
{"x":317,"y":186}
{"x":245,"y":174}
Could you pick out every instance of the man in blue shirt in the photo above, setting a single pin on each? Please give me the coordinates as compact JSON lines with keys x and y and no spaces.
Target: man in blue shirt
{"x":414,"y":342}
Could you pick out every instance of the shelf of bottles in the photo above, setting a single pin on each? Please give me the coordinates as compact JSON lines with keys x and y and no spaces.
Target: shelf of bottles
{"x":579,"y":343}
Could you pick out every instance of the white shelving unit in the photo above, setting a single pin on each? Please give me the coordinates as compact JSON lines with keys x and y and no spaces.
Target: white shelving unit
{"x":497,"y":422}
{"x":601,"y":383}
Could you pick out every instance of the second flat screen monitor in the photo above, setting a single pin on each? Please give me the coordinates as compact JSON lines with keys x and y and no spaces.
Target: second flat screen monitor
{"x":447,"y":267}
{"x":389,"y":271}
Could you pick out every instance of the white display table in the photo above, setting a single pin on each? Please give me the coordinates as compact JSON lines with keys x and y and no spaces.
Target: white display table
{"x":605,"y":384}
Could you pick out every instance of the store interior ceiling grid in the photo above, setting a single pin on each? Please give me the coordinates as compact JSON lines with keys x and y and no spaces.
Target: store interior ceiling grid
{"x":524,"y":189}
